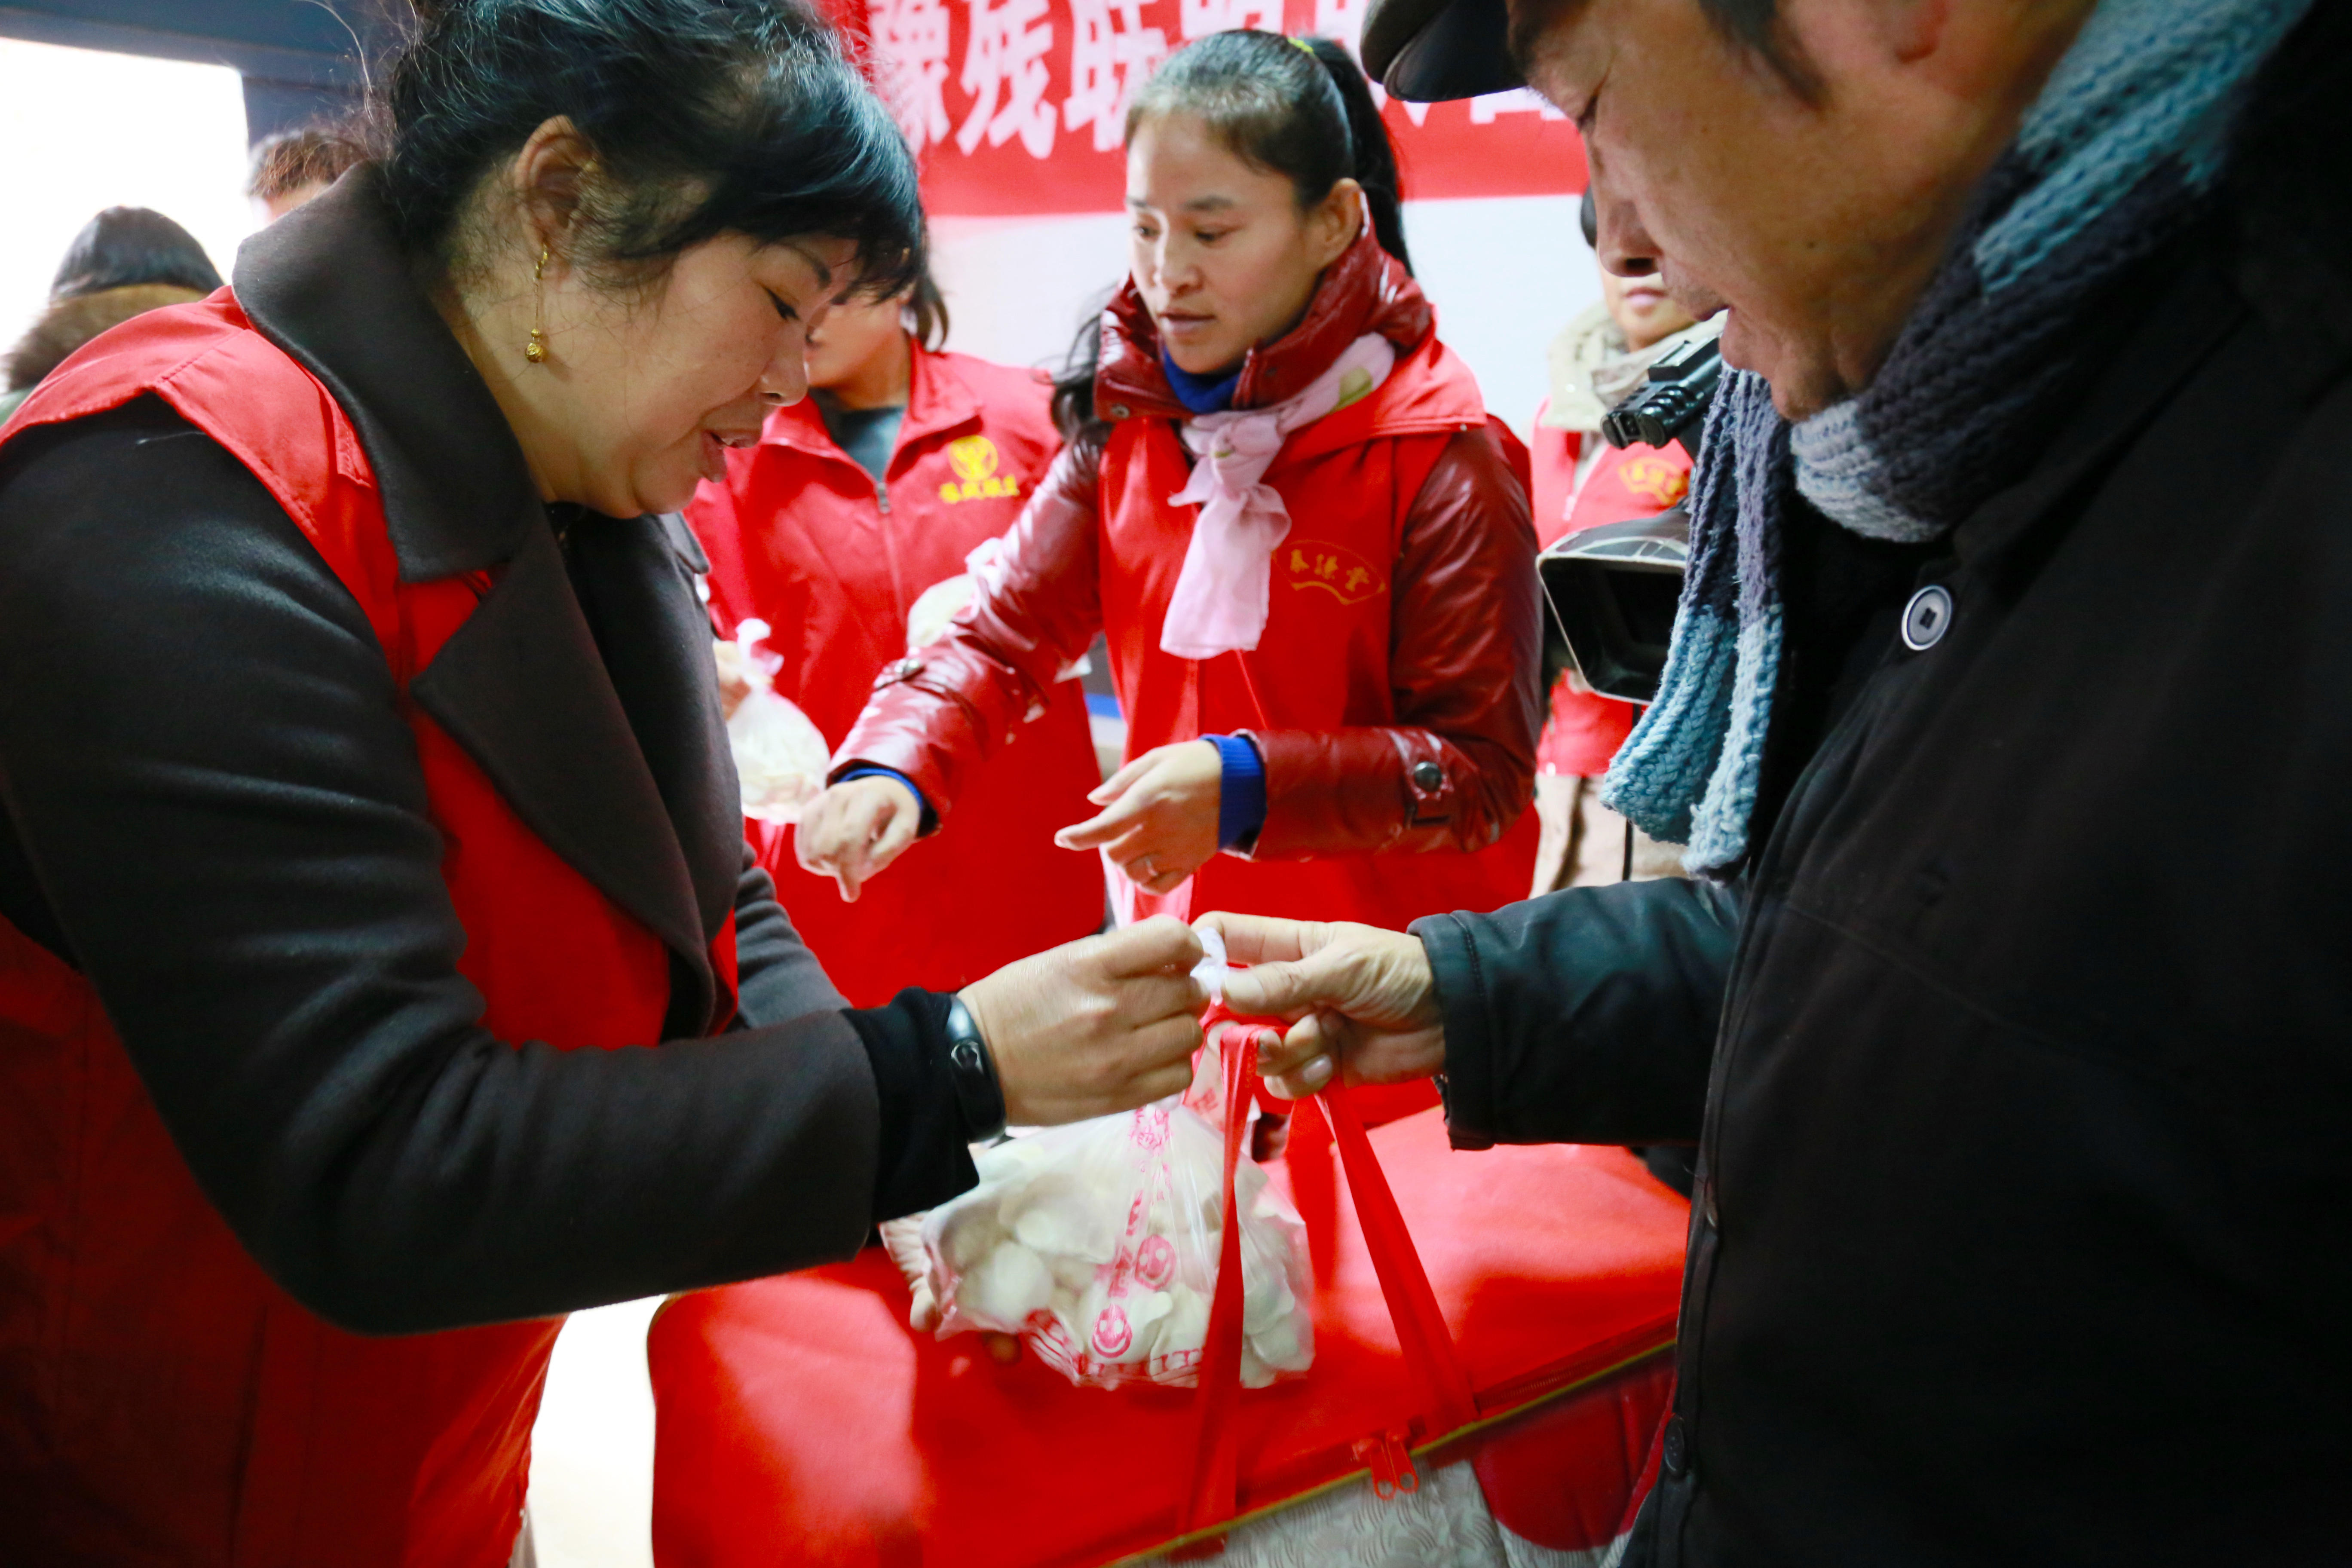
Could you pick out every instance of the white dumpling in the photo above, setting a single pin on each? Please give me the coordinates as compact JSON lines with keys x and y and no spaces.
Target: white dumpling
{"x":1059,"y":1215}
{"x":1265,"y":1296}
{"x":1186,"y":1327}
{"x":1010,"y":1283}
{"x":1286,"y":1344}
{"x":968,"y":1233}
{"x":1075,"y":1275}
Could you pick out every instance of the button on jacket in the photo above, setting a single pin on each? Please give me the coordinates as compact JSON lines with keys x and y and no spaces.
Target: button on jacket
{"x":2021,"y":1059}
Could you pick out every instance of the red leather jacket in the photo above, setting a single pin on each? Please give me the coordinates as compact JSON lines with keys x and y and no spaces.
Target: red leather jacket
{"x":1394,"y":696}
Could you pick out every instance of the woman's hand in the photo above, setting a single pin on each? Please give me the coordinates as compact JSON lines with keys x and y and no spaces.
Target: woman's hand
{"x":1361,"y":1000}
{"x":1160,"y":819}
{"x":855,"y":828}
{"x":1094,"y":1026}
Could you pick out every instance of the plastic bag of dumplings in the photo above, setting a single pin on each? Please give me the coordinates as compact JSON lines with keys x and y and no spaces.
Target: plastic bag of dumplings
{"x":1097,"y":1244}
{"x":781,"y":757}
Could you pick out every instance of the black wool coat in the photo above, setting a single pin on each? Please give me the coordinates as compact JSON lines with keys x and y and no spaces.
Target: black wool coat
{"x":2019,"y":1054}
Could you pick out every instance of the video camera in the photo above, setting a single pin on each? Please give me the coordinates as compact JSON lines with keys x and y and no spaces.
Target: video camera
{"x":1612,"y":591}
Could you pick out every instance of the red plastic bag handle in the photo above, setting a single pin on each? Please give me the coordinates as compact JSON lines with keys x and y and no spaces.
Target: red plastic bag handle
{"x":1216,"y":1473}
{"x":1446,"y":1401}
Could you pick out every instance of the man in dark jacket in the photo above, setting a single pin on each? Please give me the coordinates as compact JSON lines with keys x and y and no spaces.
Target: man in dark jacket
{"x":2008,"y":721}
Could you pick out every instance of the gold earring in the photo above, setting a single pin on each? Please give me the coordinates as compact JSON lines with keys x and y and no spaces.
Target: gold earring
{"x":535,"y":350}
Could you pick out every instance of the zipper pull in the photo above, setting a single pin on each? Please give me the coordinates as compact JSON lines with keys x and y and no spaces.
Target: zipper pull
{"x":1389,"y":1455}
{"x":882,"y":496}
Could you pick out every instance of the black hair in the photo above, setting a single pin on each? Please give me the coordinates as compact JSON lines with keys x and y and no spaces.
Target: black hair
{"x":1301,"y":108}
{"x":705,"y":117}
{"x":1755,"y":25}
{"x":122,"y":248}
{"x":929,"y":309}
{"x":1751,"y":24}
{"x":1073,"y":404}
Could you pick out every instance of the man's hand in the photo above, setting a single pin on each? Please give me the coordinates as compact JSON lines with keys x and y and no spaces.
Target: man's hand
{"x":1360,"y":999}
{"x":855,"y":828}
{"x":1095,"y":1026}
{"x":1160,"y":821}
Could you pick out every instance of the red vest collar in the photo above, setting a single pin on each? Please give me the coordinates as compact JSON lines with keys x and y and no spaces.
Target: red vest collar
{"x":328,"y":286}
{"x":938,"y":400}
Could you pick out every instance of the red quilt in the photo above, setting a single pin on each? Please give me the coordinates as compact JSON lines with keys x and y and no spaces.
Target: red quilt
{"x":799,"y":1420}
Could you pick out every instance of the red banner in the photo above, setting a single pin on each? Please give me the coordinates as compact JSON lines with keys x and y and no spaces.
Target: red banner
{"x":1017,"y":106}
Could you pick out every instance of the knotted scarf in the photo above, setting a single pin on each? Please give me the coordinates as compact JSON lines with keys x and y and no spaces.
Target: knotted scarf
{"x":2114,"y":159}
{"x":1223,"y":591}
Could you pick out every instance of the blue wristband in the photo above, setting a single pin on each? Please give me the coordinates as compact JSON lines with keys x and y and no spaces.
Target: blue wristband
{"x":1241,"y":790}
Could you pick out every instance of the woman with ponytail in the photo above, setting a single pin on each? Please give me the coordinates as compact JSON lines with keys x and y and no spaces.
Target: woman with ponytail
{"x":1285,"y":505}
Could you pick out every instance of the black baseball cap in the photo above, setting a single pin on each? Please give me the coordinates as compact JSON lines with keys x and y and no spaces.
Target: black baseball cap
{"x":1430,"y":51}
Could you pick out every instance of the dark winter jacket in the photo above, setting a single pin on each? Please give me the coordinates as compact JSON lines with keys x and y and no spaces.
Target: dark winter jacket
{"x":2019,"y":1057}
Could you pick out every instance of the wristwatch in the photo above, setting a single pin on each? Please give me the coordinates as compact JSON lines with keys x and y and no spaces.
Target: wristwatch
{"x":974,"y":1072}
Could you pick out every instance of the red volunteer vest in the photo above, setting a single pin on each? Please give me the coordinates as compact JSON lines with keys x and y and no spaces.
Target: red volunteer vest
{"x":1349,"y":482}
{"x":163,"y":1400}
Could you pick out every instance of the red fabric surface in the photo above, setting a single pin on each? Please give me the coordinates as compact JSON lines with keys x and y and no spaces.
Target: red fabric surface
{"x":1611,"y":1432}
{"x":800,"y":1418}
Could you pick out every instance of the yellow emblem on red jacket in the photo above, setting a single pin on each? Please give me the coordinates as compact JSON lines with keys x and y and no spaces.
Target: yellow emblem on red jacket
{"x":1656,"y":481}
{"x":1334,"y":568}
{"x":975,"y":461}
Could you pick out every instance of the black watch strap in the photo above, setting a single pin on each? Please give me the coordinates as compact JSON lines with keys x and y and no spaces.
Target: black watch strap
{"x":974,"y":1072}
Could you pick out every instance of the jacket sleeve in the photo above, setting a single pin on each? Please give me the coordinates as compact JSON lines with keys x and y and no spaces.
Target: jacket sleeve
{"x":1458,"y":765}
{"x":206,"y":766}
{"x":1583,"y":1017}
{"x":777,"y":978}
{"x":937,"y":714}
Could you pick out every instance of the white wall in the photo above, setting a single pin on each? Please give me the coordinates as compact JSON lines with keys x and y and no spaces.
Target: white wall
{"x":84,"y":130}
{"x":1507,"y":273}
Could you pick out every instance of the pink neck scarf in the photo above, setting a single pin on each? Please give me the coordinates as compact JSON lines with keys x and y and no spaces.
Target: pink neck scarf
{"x":1222,"y":593}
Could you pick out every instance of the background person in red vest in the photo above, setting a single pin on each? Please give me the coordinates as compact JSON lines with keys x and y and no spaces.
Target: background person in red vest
{"x":1581,"y":481}
{"x":370,"y":827}
{"x":1286,"y":507}
{"x":854,"y":505}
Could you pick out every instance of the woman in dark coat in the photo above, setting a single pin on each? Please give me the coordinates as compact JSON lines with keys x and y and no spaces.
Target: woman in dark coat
{"x":369,"y":821}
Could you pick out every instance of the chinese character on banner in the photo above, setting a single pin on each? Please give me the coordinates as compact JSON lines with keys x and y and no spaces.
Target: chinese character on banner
{"x":910,"y":54}
{"x":1111,"y":51}
{"x":1004,"y":56}
{"x":1199,"y":18}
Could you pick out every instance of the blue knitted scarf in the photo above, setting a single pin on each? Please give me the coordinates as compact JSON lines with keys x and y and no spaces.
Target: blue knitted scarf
{"x":2112,"y":161}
